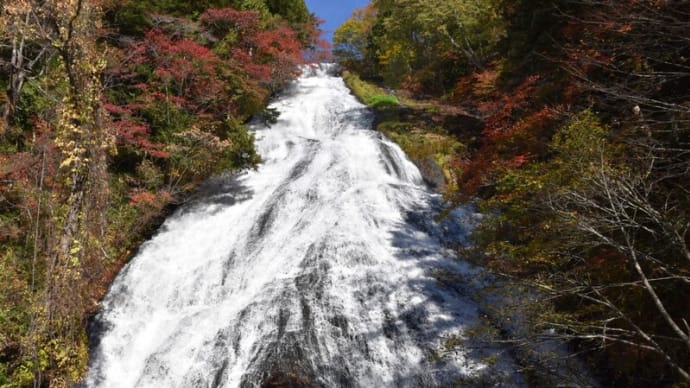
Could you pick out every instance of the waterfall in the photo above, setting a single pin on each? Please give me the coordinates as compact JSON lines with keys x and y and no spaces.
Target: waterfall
{"x":323,"y":267}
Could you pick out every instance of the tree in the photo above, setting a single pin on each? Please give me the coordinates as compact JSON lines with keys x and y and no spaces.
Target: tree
{"x":22,"y":34}
{"x":270,"y":55}
{"x":425,"y":43}
{"x":595,"y":229}
{"x":294,"y":12}
{"x":352,"y":41}
{"x":83,"y":138}
{"x":621,"y":206}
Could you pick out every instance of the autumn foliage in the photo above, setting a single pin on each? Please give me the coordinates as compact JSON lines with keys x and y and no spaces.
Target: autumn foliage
{"x":115,"y":110}
{"x":580,"y":163}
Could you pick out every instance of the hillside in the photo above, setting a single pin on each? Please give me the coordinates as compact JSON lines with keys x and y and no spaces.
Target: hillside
{"x":114,"y":111}
{"x":566,"y":122}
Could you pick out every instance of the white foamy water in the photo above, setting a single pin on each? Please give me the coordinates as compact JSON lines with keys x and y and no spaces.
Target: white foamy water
{"x":316,"y":269}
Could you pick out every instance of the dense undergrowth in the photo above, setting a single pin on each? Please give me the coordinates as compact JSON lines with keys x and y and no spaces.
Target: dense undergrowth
{"x":115,"y":110}
{"x":579,"y":157}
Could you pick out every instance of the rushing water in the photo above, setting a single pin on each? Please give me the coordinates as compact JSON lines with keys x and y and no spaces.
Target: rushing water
{"x":321,"y":268}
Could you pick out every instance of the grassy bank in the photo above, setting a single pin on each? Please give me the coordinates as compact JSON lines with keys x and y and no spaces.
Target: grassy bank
{"x":422,"y":129}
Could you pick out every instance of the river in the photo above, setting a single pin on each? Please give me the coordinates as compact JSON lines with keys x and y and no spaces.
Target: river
{"x":320,"y":268}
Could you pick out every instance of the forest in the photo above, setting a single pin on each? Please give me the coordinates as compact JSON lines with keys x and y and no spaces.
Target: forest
{"x":567,"y":123}
{"x":112,"y":112}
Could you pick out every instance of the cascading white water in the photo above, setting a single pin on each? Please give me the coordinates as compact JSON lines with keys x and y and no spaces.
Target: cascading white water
{"x":318,"y":269}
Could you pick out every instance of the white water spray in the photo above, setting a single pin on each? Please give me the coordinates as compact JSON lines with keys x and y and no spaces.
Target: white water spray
{"x":320,"y":269}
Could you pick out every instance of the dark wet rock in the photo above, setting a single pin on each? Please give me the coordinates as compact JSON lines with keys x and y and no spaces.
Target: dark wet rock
{"x":432,"y":173}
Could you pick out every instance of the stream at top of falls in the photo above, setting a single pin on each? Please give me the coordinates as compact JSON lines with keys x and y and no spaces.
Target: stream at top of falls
{"x":320,"y":268}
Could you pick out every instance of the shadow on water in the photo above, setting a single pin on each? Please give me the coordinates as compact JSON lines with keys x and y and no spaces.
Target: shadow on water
{"x":218,"y":193}
{"x":359,"y":114}
{"x":469,"y":294}
{"x":446,"y":303}
{"x":448,"y":285}
{"x":292,"y":358}
{"x":212,"y":196}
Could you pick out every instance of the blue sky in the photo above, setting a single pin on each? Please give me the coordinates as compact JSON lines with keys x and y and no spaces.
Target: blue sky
{"x":334,"y":12}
